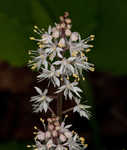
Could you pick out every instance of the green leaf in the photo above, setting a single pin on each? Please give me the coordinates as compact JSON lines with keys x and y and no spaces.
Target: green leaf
{"x":16,"y":23}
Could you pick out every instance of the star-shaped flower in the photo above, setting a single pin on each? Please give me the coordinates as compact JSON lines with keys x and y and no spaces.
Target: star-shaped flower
{"x":69,"y":88}
{"x":82,"y":109}
{"x":66,"y":66}
{"x":54,"y":51}
{"x":51,"y":74}
{"x":41,"y":101}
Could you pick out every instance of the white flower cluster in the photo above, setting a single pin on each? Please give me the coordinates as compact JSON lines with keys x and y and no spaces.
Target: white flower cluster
{"x":57,"y":136}
{"x":60,"y":58}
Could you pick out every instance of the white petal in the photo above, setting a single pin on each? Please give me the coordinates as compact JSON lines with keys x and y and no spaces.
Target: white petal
{"x":45,"y":91}
{"x":57,"y":63}
{"x":38,"y":90}
{"x":45,"y":106}
{"x":70,"y":95}
{"x":57,"y":81}
{"x":59,"y":54}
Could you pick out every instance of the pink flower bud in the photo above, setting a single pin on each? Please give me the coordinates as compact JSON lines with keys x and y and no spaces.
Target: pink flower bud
{"x":74,"y":36}
{"x":68,"y":20}
{"x":68,"y":32}
{"x":49,"y":120}
{"x":55,"y":34}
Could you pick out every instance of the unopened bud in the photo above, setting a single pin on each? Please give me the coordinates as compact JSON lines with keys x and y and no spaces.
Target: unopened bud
{"x":68,"y":20}
{"x":66,"y":14}
{"x":61,"y":18}
{"x":62,"y":138}
{"x":74,"y":36}
{"x":68,"y":32}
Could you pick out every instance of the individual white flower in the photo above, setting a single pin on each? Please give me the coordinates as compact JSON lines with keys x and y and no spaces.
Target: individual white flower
{"x":74,"y":144}
{"x":64,"y":128}
{"x":66,"y":66}
{"x":82,"y":109}
{"x":41,"y":101}
{"x":54,"y":51}
{"x":41,"y":59}
{"x":51,"y":74}
{"x":40,"y":146}
{"x":74,"y":36}
{"x":40,"y":136}
{"x":81,"y":63}
{"x":46,"y":37}
{"x":68,"y":134}
{"x":78,"y":47}
{"x":69,"y":89}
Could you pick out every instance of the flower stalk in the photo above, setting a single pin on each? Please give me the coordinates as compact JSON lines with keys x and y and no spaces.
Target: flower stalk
{"x":61,"y":59}
{"x":59,"y":106}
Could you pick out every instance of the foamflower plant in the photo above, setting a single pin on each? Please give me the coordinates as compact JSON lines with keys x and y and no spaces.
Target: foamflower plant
{"x":61,"y":60}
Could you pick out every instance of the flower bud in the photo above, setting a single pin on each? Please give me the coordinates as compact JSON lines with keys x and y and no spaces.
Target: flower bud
{"x":66,"y":14}
{"x":74,"y":36}
{"x":55,"y":34}
{"x":49,"y":120}
{"x":68,"y":20}
{"x":63,"y":25}
{"x":61,"y":18}
{"x":69,"y":26}
{"x":62,"y":138}
{"x":68,"y":32}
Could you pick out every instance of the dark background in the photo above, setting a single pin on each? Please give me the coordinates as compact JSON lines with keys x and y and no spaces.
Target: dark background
{"x":105,"y":88}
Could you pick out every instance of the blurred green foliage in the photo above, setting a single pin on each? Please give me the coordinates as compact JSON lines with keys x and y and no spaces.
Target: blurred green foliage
{"x":14,"y":145}
{"x":105,"y":19}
